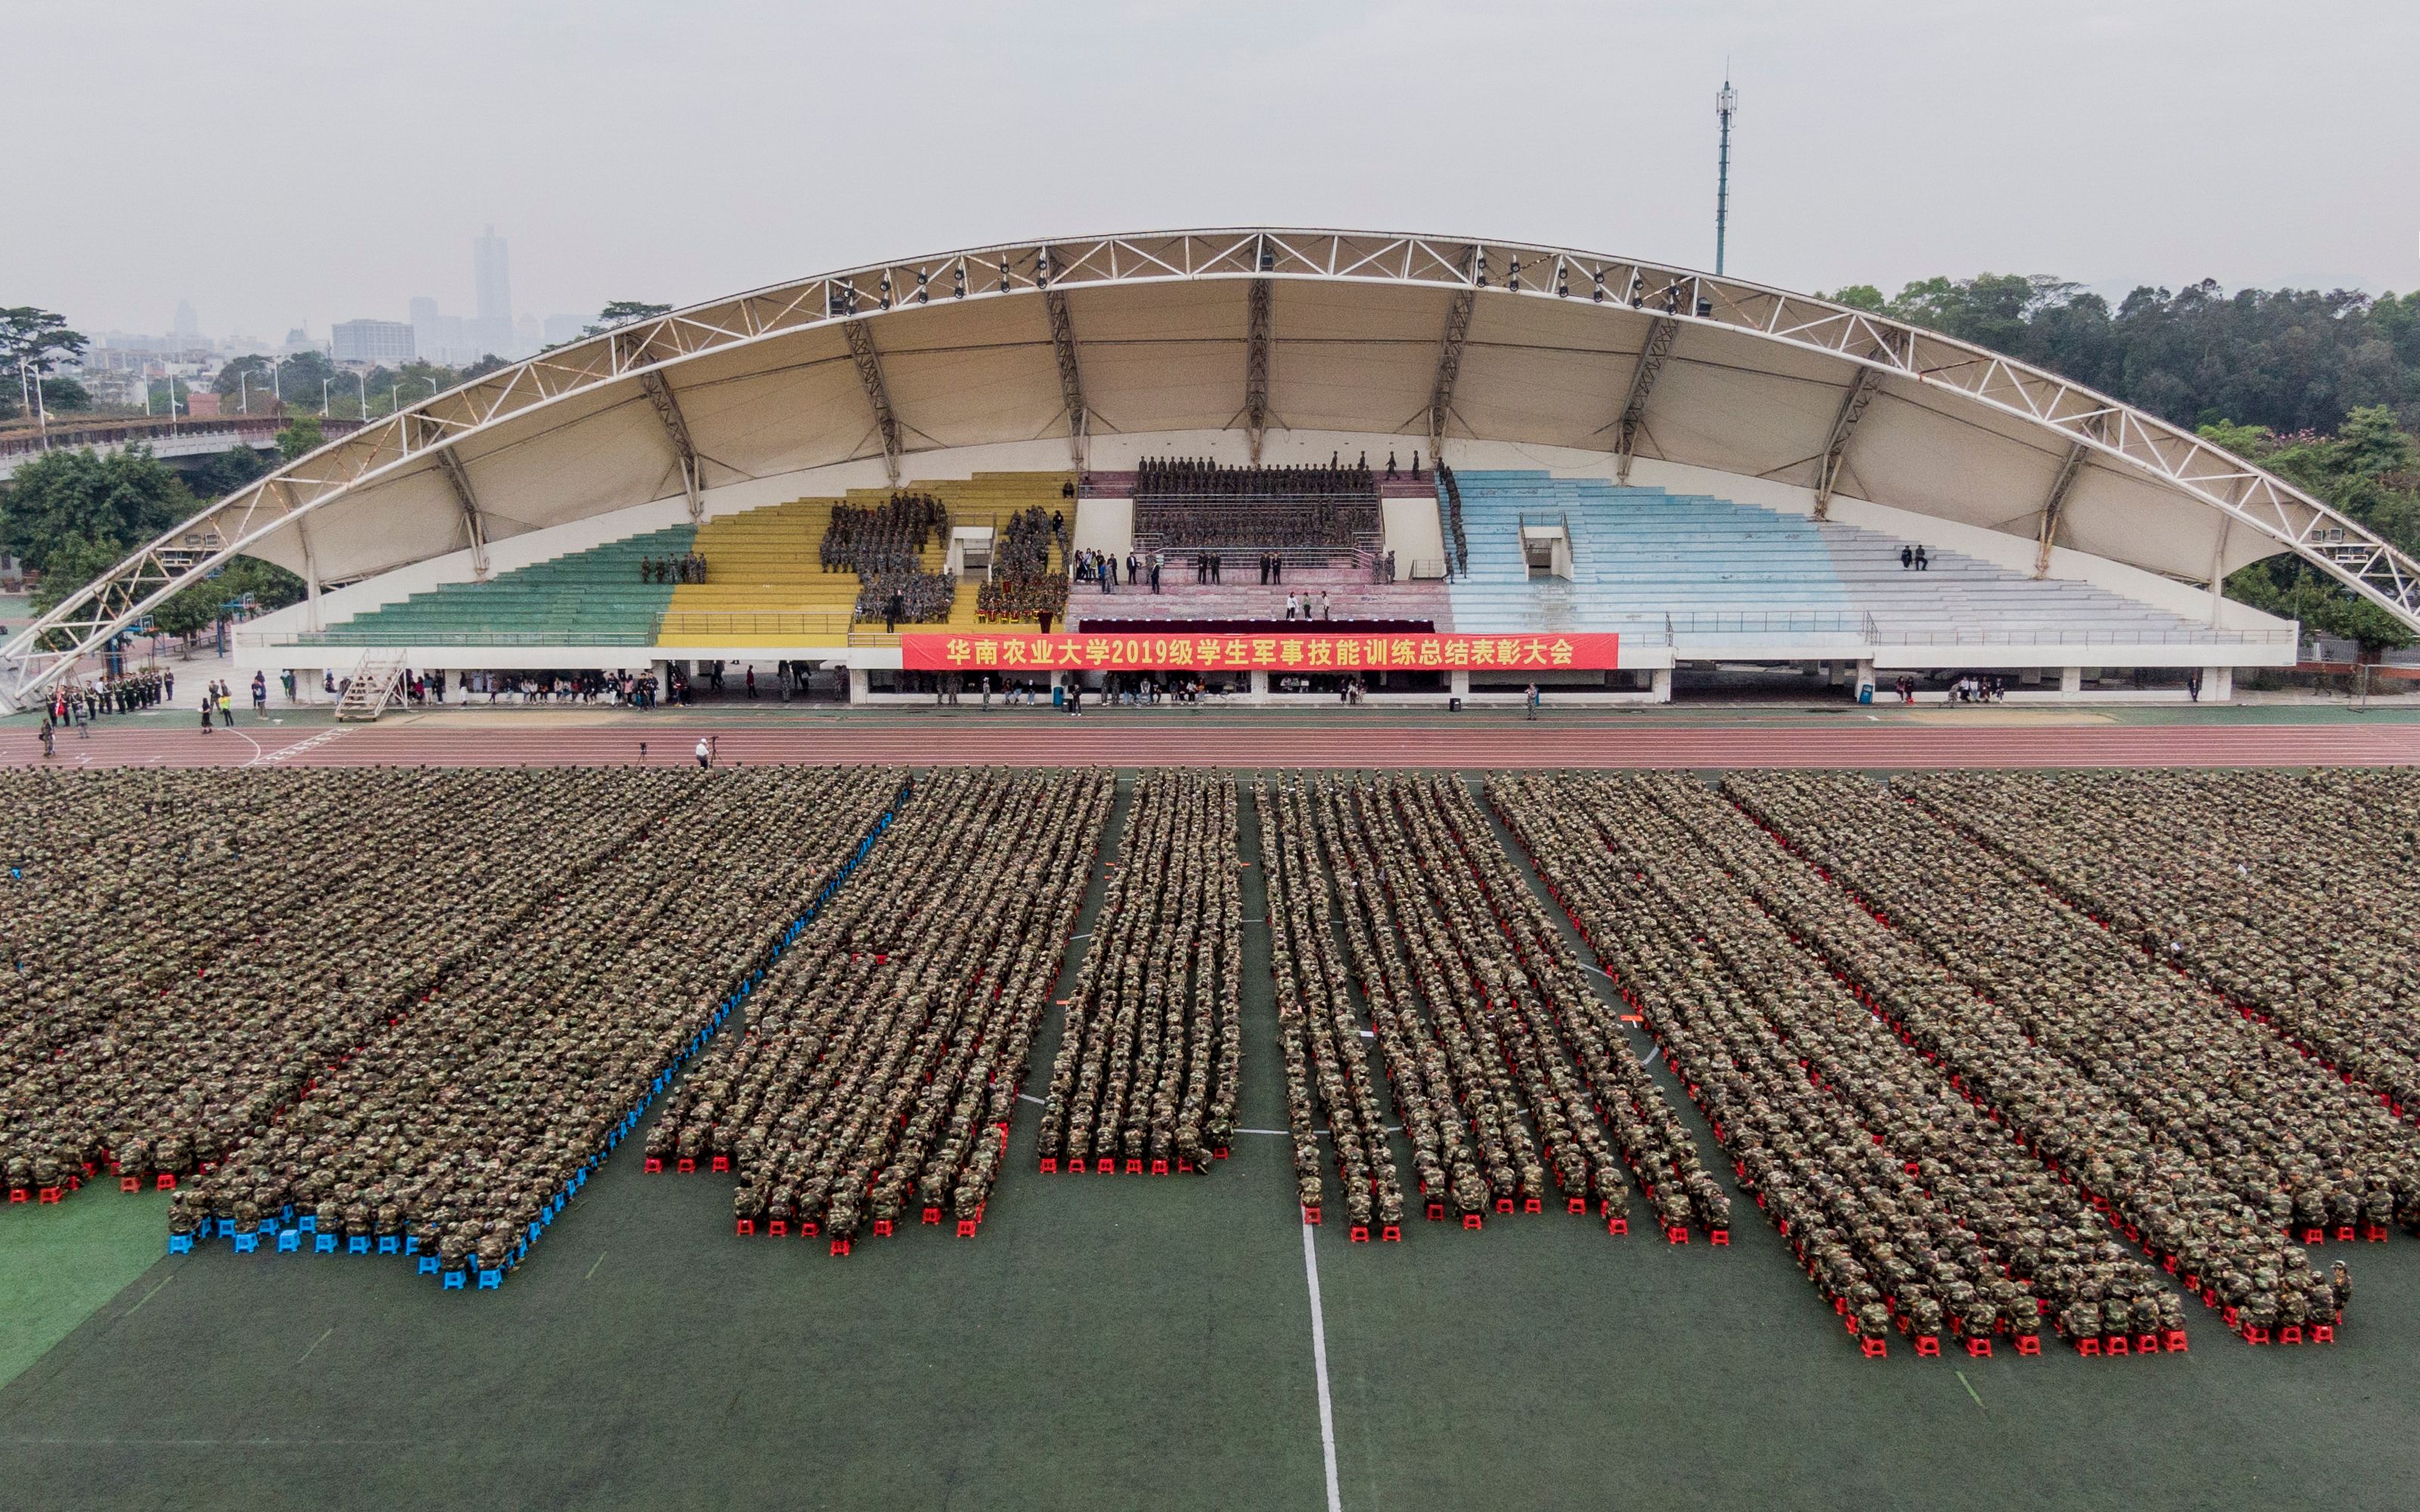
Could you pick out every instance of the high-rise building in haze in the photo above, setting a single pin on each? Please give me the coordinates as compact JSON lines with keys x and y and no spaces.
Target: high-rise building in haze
{"x":189,"y":325}
{"x":491,"y":276}
{"x":490,"y":330}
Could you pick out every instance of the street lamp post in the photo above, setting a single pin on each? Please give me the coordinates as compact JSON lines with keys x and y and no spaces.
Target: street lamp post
{"x":362,"y":382}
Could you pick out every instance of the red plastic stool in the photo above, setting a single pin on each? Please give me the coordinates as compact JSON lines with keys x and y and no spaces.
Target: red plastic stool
{"x":2315,"y":1235}
{"x":1049,"y":1164}
{"x":808,"y":1228}
{"x":1720,"y":1236}
{"x":1436,"y":1212}
{"x":1617,"y":1226}
{"x":2345,"y":1233}
{"x":686,"y":1166}
{"x":2147,"y":1344}
{"x":779,"y":1228}
{"x":2029,"y":1344}
{"x":2375,"y":1233}
{"x":1311,"y":1216}
{"x":1074,"y":1164}
{"x":1134,"y":1165}
{"x":167,"y":1183}
{"x":1979,"y":1346}
{"x":966,"y":1227}
{"x":1576,"y":1204}
{"x":2324,"y":1332}
{"x":1359,"y":1233}
{"x":129,"y":1183}
{"x":654,"y":1166}
{"x":882,"y":1228}
{"x":1927,"y":1347}
{"x":721,"y":1163}
{"x":1158,"y":1168}
{"x":1874,"y":1349}
{"x":932,"y":1217}
{"x":1677,"y":1234}
{"x":1183,"y":1166}
{"x":47,"y":1194}
{"x":1532,"y":1205}
{"x":840,"y":1246}
{"x":747,"y":1228}
{"x":2290,"y":1333}
{"x":2173,"y":1341}
{"x":1504,"y":1206}
{"x":1391,"y":1234}
{"x":1471,"y":1220}
{"x":2089,"y":1348}
{"x":2117,"y":1347}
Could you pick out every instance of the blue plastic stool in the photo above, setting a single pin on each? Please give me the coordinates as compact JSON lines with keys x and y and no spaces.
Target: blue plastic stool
{"x":428,"y":1265}
{"x":490,"y":1280}
{"x":390,"y":1245}
{"x":357,"y":1244}
{"x":246,"y":1243}
{"x":290,"y":1241}
{"x":323,"y":1243}
{"x":310,"y":1223}
{"x":454,"y":1280}
{"x":180,"y":1243}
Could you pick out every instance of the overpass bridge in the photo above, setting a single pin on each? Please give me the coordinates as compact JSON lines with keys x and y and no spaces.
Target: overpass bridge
{"x":169,"y":439}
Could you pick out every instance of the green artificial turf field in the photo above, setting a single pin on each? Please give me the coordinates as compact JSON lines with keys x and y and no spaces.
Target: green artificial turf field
{"x":1129,"y":1342}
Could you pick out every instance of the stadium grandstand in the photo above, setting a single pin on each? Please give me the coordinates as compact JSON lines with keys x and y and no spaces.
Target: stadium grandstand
{"x":1468,"y":440}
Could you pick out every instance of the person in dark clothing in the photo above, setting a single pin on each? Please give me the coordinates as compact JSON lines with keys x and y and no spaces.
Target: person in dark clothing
{"x":1906,"y":558}
{"x":893,"y":608}
{"x":1921,"y":564}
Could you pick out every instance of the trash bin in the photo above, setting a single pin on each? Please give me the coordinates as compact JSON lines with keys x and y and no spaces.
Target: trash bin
{"x":1864,"y":692}
{"x":1057,"y":696}
{"x":1454,"y":704}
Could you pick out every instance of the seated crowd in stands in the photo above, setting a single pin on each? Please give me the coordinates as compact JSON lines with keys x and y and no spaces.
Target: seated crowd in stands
{"x":1022,"y":584}
{"x":907,"y":596}
{"x":888,"y":536}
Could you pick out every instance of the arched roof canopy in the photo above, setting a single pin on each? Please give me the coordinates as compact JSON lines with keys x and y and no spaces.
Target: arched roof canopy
{"x":1430,"y":337}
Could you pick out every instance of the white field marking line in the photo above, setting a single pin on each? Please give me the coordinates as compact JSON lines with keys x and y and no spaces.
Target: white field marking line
{"x":592,"y":1270}
{"x":1319,"y":1133}
{"x":1086,"y":936}
{"x":1319,"y":1363}
{"x":1649,"y":1059}
{"x":148,"y":1295}
{"x":306,"y":743}
{"x":248,"y":741}
{"x":316,"y":1343}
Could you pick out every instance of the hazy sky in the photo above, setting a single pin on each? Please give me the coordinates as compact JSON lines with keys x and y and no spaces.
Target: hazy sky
{"x":277,"y":163}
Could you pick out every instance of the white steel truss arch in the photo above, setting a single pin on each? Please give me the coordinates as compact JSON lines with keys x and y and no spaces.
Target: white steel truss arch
{"x":2121,"y":439}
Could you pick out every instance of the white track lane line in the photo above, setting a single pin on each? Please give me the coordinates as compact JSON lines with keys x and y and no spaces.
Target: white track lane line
{"x":1319,"y":1362}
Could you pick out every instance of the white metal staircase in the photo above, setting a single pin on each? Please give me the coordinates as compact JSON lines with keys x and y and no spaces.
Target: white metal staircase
{"x":376,"y":684}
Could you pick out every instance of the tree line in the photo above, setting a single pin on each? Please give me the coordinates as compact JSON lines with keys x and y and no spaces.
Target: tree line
{"x":2322,"y":389}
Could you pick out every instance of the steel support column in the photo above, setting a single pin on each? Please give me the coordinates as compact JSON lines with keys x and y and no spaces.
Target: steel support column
{"x":1071,"y":380}
{"x":1457,"y":331}
{"x":1844,"y":428}
{"x":1256,"y":362}
{"x":1661,"y":332}
{"x":869,"y":377}
{"x":660,"y":393}
{"x":2071,"y":468}
{"x":472,"y":521}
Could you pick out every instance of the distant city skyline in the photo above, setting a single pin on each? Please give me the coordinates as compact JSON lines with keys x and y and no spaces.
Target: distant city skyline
{"x":2154,"y":144}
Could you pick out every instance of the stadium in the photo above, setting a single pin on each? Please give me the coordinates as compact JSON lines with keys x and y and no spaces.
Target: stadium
{"x":1706,"y":472}
{"x":463,"y":1072}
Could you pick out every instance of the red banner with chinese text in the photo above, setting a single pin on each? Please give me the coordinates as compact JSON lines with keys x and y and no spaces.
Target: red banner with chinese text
{"x":987,"y":650}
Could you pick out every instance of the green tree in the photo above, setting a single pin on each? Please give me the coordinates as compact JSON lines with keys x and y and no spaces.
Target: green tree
{"x":32,"y":342}
{"x":301,"y":434}
{"x":72,"y":562}
{"x":113,"y":503}
{"x":623,"y":313}
{"x":1857,"y":297}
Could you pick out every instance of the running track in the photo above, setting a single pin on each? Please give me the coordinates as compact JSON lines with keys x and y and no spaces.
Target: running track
{"x":1043,"y":740}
